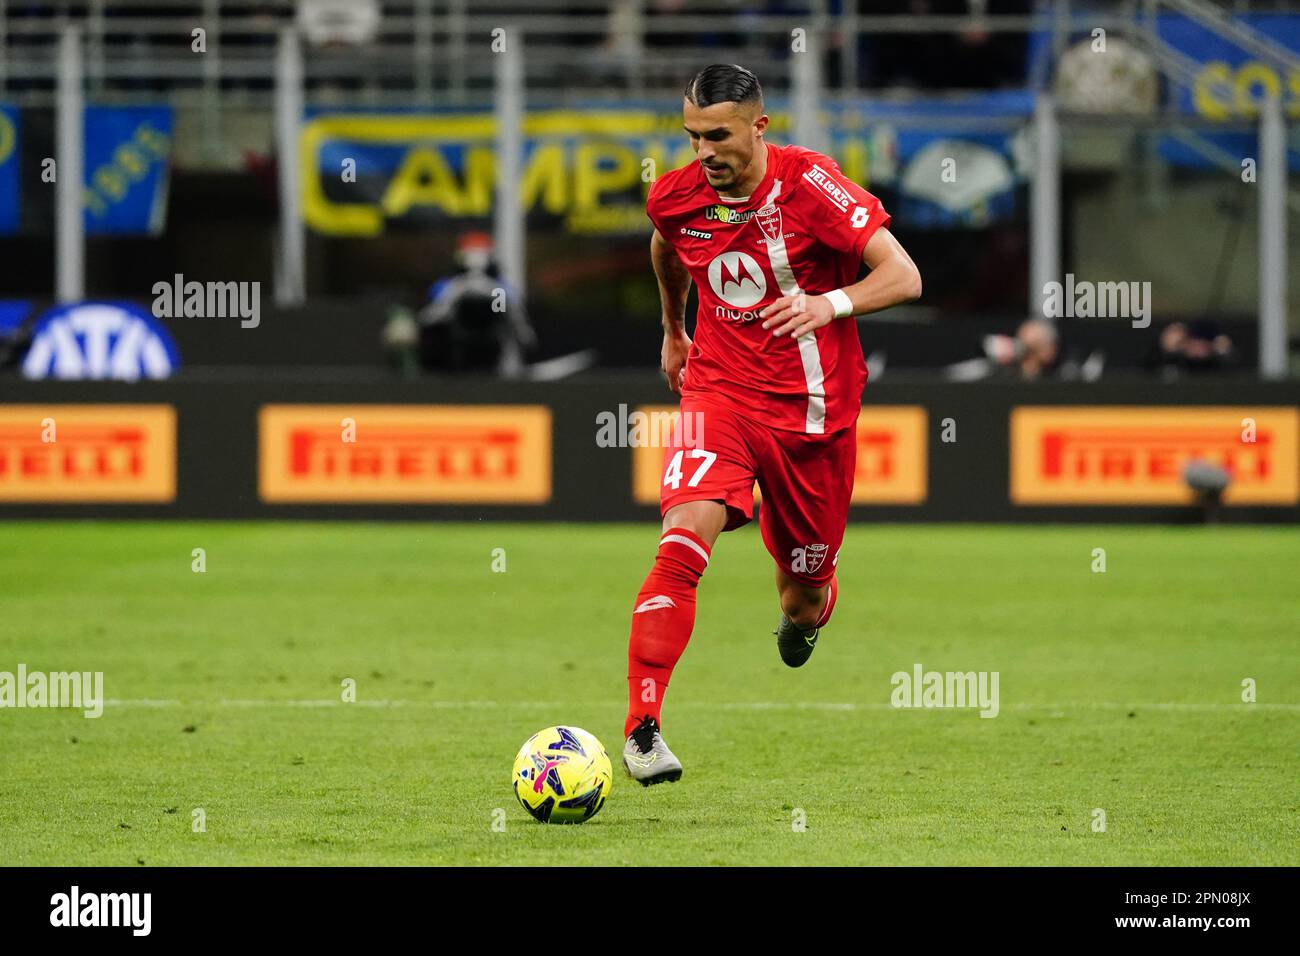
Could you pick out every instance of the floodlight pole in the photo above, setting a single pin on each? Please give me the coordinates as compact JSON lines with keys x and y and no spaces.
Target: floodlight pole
{"x":805,"y":92}
{"x":69,"y":221}
{"x":291,"y":271}
{"x":1272,"y":178}
{"x":508,"y":215}
{"x":1045,"y":203}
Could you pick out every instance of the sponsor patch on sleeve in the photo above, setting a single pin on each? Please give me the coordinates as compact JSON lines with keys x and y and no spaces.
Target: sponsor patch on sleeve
{"x":828,"y":188}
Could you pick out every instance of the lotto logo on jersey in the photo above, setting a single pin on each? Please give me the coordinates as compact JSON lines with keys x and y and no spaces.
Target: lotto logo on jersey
{"x":737,"y":279}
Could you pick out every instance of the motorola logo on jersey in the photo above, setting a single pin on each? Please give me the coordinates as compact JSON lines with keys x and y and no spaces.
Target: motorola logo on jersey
{"x":737,"y":279}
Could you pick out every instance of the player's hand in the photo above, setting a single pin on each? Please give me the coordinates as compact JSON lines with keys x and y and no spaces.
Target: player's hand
{"x":672,"y":359}
{"x":793,"y":315}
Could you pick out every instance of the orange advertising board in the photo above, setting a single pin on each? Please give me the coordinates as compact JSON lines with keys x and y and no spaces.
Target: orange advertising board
{"x":488,"y":454}
{"x":891,"y":467}
{"x":70,"y":454}
{"x":891,"y":461}
{"x":1069,"y":455}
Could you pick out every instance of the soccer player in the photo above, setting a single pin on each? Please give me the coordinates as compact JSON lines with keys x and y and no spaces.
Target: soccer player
{"x":772,"y":237}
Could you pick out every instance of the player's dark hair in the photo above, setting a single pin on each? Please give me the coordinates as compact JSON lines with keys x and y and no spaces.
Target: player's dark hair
{"x":723,"y":83}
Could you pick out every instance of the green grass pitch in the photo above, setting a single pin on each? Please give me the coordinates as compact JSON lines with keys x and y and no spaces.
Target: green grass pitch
{"x":1120,"y":691}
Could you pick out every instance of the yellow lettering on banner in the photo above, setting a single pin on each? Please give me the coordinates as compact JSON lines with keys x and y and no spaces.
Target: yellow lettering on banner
{"x":1215,"y":77}
{"x":159,"y":144}
{"x":590,"y":180}
{"x":423,"y":179}
{"x":1222,"y":92}
{"x":545,"y":179}
{"x":364,"y":219}
{"x":1250,"y":75}
{"x":480,"y":179}
{"x":577,"y":159}
{"x":131,"y":162}
{"x":6,"y":137}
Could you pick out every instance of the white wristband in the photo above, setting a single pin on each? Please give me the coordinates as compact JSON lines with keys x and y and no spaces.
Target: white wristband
{"x":840,"y":301}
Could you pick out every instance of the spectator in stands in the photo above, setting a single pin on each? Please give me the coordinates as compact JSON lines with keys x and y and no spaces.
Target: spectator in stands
{"x":472,"y":322}
{"x":1192,"y":347}
{"x":1032,"y":353}
{"x":971,"y":58}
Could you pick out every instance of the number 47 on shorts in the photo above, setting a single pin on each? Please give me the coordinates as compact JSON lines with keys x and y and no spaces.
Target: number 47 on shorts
{"x":673,"y":474}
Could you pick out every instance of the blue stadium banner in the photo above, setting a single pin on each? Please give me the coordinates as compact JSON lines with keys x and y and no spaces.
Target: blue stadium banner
{"x":1230,"y":82}
{"x":127,"y":163}
{"x":9,"y":165}
{"x":587,"y":170}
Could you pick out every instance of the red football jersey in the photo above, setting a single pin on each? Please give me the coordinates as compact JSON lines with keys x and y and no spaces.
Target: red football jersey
{"x":802,"y":230}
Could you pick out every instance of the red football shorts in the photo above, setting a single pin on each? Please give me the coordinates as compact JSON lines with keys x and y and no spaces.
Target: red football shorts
{"x":805,"y":482}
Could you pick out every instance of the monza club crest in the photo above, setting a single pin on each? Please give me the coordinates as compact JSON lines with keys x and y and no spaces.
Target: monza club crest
{"x":808,"y":559}
{"x":769,"y":220}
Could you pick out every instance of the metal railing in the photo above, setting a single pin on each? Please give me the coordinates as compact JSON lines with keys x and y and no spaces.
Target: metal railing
{"x":434,"y":51}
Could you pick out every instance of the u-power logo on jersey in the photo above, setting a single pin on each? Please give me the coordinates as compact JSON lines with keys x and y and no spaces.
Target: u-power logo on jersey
{"x":737,"y":279}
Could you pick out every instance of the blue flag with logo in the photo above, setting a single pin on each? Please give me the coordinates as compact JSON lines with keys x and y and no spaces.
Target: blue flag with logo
{"x":9,"y":160}
{"x":127,"y":167}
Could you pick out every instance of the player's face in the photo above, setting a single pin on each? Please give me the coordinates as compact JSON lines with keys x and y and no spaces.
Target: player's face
{"x":725,"y":137}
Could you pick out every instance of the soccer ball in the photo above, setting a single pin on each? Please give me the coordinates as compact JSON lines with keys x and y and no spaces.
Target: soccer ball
{"x":562,"y":775}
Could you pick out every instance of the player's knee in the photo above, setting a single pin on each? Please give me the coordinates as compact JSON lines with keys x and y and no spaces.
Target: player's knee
{"x":704,"y":519}
{"x":802,"y":606}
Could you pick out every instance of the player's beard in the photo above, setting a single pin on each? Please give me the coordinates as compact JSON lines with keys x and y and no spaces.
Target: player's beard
{"x":720,"y":177}
{"x":730,"y":174}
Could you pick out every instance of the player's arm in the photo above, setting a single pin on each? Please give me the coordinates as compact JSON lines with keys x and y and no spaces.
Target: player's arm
{"x":674,"y":286}
{"x":893,"y":280}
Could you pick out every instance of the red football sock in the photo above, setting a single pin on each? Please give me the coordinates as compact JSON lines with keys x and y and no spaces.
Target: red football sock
{"x":662,"y":622}
{"x":825,"y":617}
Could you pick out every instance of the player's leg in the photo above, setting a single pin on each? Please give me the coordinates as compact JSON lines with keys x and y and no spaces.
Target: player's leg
{"x":807,"y":482}
{"x":663,"y":616}
{"x":707,"y":488}
{"x":802,"y":604}
{"x":805,"y":610}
